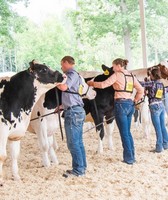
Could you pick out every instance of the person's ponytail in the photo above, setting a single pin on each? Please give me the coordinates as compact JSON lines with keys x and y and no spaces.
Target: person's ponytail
{"x":122,"y":62}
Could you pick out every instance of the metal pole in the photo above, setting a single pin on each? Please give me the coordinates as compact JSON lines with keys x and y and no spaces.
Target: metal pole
{"x":143,"y":33}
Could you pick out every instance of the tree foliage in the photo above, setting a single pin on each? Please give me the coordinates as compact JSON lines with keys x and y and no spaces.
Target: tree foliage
{"x":47,"y":42}
{"x":97,"y":32}
{"x":95,"y":19}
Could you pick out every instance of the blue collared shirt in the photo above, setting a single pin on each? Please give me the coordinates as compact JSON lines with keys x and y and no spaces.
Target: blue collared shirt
{"x":73,"y":82}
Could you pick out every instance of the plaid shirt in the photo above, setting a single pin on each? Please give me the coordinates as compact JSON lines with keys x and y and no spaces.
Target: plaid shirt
{"x":152,"y":87}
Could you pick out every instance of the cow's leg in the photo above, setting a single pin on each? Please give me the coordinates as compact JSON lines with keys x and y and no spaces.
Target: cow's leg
{"x":100,"y":144}
{"x":55,"y":144}
{"x":15,"y":151}
{"x":3,"y":155}
{"x":52,"y":153}
{"x":44,"y":148}
{"x":43,"y":143}
{"x":137,"y":119}
{"x":109,"y":131}
{"x":146,"y":118}
{"x":100,"y":132}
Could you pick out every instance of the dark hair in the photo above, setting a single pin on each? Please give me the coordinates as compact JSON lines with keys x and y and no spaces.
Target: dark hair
{"x":69,"y":59}
{"x":120,"y":61}
{"x":156,"y":73}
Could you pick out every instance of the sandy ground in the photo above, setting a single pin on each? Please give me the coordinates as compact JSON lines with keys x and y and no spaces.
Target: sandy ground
{"x":107,"y":177}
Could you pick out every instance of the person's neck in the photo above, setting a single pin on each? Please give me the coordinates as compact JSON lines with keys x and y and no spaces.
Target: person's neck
{"x":69,"y":69}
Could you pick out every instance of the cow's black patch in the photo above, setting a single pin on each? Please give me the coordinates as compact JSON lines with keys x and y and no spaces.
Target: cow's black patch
{"x":104,"y":101}
{"x":50,"y":101}
{"x":14,"y":125}
{"x":38,"y":113}
{"x":2,"y":83}
{"x":18,"y":95}
{"x":4,"y":121}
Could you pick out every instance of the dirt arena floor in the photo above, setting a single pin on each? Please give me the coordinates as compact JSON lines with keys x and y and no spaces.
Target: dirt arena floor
{"x":107,"y":177}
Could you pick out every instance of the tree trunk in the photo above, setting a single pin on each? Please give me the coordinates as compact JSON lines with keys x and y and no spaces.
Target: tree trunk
{"x":3,"y":61}
{"x":10,"y":60}
{"x":156,"y":56}
{"x":15,"y":62}
{"x":126,"y":36}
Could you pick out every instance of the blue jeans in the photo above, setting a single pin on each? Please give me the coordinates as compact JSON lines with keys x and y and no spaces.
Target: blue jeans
{"x":166,"y":102}
{"x":124,"y":110}
{"x":158,"y":120}
{"x":74,"y":119}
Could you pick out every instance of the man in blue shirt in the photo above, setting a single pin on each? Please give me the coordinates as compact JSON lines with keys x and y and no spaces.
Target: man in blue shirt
{"x":74,"y":116}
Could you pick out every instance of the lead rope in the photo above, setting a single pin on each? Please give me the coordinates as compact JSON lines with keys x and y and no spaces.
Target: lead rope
{"x":113,"y":117}
{"x":59,"y":116}
{"x":97,"y":114}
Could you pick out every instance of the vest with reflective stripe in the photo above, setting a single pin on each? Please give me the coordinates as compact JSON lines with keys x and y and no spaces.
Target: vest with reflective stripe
{"x":156,"y":92}
{"x":129,"y":86}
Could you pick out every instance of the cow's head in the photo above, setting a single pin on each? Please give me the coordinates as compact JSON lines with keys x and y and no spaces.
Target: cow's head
{"x":108,"y":71}
{"x":44,"y":74}
{"x":164,"y":63}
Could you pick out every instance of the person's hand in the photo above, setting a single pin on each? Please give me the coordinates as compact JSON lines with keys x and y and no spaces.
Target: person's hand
{"x":90,"y":83}
{"x":64,"y":80}
{"x":60,"y":108}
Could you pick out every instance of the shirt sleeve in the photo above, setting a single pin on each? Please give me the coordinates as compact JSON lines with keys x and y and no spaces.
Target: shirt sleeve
{"x":139,"y":89}
{"x":146,"y":84}
{"x":71,"y":79}
{"x":108,"y":82}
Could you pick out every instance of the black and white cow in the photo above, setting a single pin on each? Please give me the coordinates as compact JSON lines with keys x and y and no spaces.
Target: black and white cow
{"x":18,"y":96}
{"x":46,"y":127}
{"x":105,"y":109}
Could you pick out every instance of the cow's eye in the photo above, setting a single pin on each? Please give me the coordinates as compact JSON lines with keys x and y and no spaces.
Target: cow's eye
{"x":43,"y":70}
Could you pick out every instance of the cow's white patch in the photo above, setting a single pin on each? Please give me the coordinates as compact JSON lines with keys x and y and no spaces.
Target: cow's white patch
{"x":100,"y":144}
{"x":109,"y":131}
{"x":52,"y":153}
{"x":165,"y":63}
{"x":146,"y":118}
{"x":88,"y":91}
{"x":45,"y":130}
{"x":15,"y":151}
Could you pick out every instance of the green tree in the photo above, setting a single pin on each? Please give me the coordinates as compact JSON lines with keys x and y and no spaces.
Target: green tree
{"x":47,"y":42}
{"x":95,"y":19}
{"x":10,"y":23}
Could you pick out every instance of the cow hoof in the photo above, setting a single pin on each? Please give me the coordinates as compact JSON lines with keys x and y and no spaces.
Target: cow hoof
{"x":1,"y":183}
{"x":46,"y":165}
{"x":16,"y":178}
{"x":55,"y":162}
{"x":99,"y":151}
{"x":146,"y":136}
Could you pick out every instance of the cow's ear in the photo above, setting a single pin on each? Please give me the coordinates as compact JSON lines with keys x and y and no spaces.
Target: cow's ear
{"x":106,"y":70}
{"x":32,"y":64}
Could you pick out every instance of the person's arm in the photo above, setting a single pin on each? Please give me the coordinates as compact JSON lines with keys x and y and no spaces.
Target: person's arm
{"x":71,"y":78}
{"x":62,"y":87}
{"x":140,"y":90}
{"x":104,"y":84}
{"x":146,"y":84}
